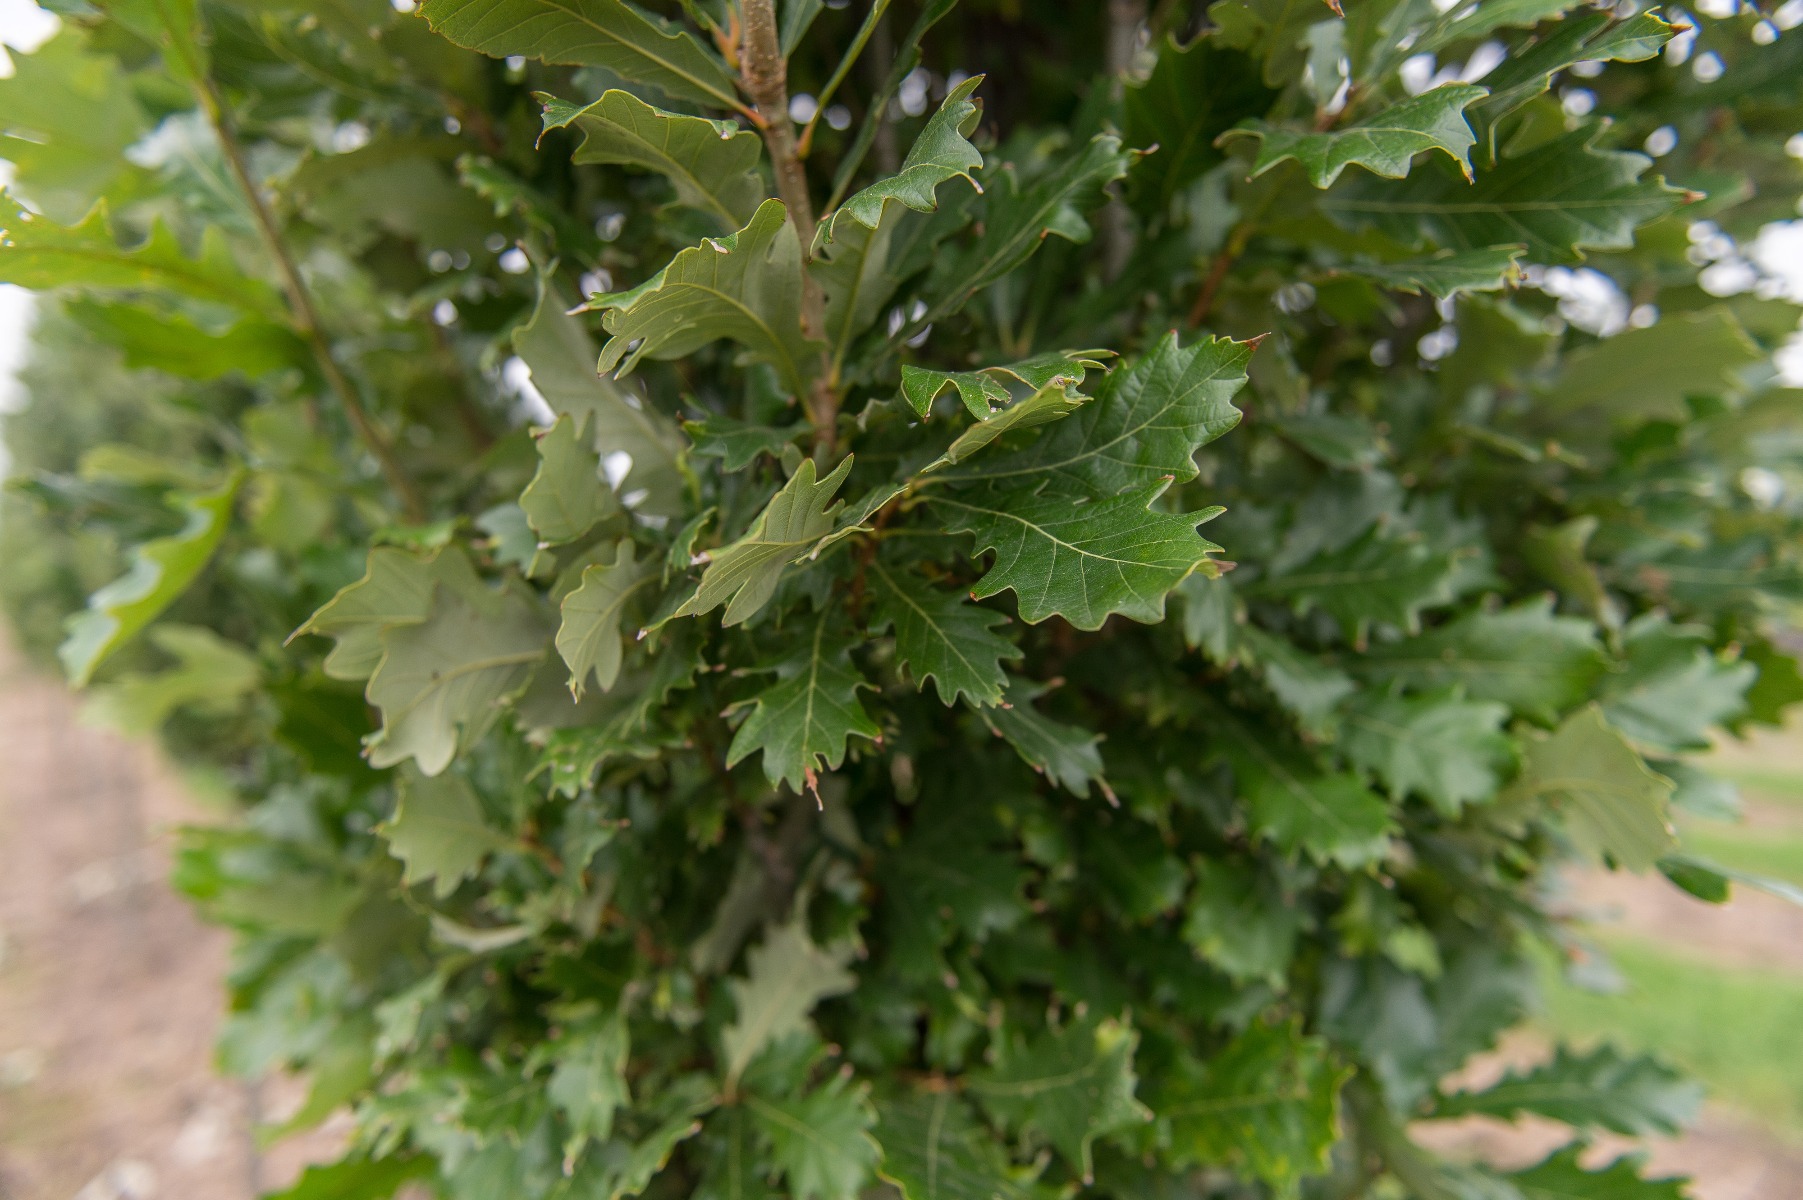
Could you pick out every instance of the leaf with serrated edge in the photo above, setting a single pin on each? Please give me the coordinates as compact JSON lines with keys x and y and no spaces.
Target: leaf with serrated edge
{"x":40,"y":254}
{"x":934,"y":1148}
{"x":786,"y":975}
{"x":1070,"y":1087}
{"x":1490,"y":269}
{"x":1601,"y":1089}
{"x":561,"y":357}
{"x":745,"y":287}
{"x":821,"y":1140}
{"x":737,"y":444}
{"x":1537,"y":663}
{"x":1559,"y":199}
{"x":589,"y":637}
{"x":1266,"y":1105}
{"x":744,"y":575}
{"x":439,"y":832}
{"x":566,"y":496}
{"x":1016,"y":221}
{"x":161,"y":571}
{"x":1561,"y":1176}
{"x":1440,"y":746}
{"x":1673,"y":689}
{"x":1063,"y":753}
{"x":803,"y":720}
{"x":1613,"y":804}
{"x":1384,"y":143}
{"x":1193,"y":95}
{"x":940,"y":154}
{"x":588,"y":1084}
{"x":442,"y":681}
{"x":587,"y":33}
{"x":1081,"y":561}
{"x":1146,"y":423}
{"x":1053,"y":402}
{"x":1238,"y":922}
{"x":941,"y":636}
{"x":712,"y":164}
{"x":1372,"y":580}
{"x":395,"y":589}
{"x":983,"y":392}
{"x":1333,"y":818}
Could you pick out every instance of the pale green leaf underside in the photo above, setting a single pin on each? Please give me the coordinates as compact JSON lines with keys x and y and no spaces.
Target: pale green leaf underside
{"x":566,"y":496}
{"x":712,"y":164}
{"x":1612,"y":803}
{"x":589,"y":33}
{"x":161,"y":571}
{"x":442,"y":681}
{"x":439,"y":832}
{"x":562,"y":359}
{"x":744,"y":575}
{"x":589,"y":638}
{"x":745,"y":287}
{"x":984,"y":391}
{"x":786,"y":975}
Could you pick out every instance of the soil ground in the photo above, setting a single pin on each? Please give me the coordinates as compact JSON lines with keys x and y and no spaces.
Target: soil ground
{"x":110,"y":991}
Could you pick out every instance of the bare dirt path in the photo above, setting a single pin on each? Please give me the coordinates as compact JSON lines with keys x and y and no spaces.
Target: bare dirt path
{"x":109,"y":986}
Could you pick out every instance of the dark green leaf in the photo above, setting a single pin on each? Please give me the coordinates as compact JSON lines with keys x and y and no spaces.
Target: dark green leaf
{"x":1068,"y":1087}
{"x":1266,"y":1105}
{"x":1384,"y":143}
{"x":942,"y":637}
{"x":712,"y":164}
{"x":802,"y":722}
{"x":1536,"y":663}
{"x":745,"y":287}
{"x":589,"y":33}
{"x":1559,"y":199}
{"x":1598,"y":1090}
{"x":1448,"y":750}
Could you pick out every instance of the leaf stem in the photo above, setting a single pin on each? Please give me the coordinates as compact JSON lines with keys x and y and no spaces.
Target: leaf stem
{"x":838,"y":77}
{"x":302,"y":310}
{"x":1217,"y":274}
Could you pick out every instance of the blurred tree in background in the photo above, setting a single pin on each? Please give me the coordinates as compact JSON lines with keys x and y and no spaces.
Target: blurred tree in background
{"x":816,"y":750}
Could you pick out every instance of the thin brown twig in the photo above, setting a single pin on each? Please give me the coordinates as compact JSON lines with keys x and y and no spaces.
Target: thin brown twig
{"x":1217,"y":275}
{"x":765,"y":74}
{"x":302,"y":311}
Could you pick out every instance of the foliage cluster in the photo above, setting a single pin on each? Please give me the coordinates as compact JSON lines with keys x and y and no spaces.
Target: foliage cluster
{"x":816,"y":751}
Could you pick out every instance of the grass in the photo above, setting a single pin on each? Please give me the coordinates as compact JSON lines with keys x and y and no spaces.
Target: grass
{"x":1777,"y":853}
{"x":1761,"y":782}
{"x":1740,"y":1031}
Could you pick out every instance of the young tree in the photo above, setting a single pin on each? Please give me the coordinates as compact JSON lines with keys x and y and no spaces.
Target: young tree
{"x":763,"y":764}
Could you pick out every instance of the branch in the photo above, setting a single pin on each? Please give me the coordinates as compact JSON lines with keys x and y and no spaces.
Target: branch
{"x":765,"y":74}
{"x":302,"y":309}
